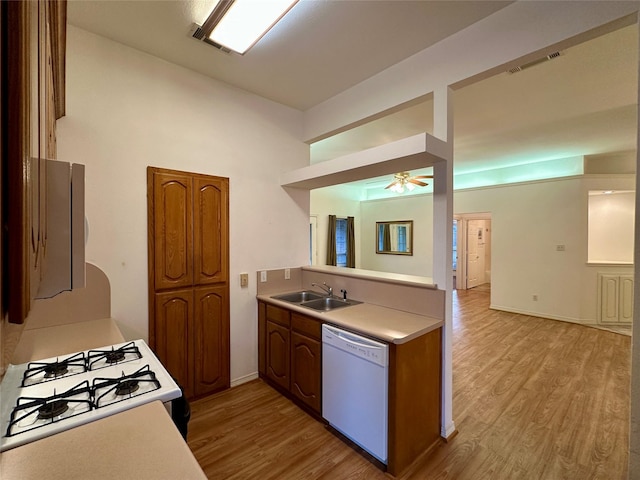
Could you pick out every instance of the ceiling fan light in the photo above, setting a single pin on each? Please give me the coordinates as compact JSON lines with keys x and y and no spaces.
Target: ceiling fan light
{"x":410,"y":187}
{"x":246,"y":21}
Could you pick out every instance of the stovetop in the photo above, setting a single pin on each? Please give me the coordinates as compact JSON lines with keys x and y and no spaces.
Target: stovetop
{"x":45,"y":397}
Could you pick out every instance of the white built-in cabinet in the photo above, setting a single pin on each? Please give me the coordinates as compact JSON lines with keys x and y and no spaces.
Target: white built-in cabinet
{"x":615,"y":298}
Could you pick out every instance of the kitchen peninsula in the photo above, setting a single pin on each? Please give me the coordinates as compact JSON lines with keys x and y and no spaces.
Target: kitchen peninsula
{"x":405,"y":312}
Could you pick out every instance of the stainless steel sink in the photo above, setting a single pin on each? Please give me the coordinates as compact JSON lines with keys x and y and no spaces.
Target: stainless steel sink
{"x":315,"y":301}
{"x":298,"y":297}
{"x":328,"y":303}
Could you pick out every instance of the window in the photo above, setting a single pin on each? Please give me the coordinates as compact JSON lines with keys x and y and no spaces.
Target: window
{"x":341,"y":242}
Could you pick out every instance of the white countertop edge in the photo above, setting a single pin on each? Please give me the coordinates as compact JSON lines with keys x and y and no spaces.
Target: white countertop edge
{"x":334,"y":318}
{"x":386,"y":277}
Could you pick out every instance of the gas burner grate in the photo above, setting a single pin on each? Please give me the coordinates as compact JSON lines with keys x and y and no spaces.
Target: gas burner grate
{"x":97,"y":359}
{"x":38,"y":372}
{"x":34,"y":412}
{"x":112,"y":390}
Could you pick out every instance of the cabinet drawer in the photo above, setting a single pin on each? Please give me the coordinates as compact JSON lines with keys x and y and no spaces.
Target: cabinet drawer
{"x":306,"y":325}
{"x":278,"y":315}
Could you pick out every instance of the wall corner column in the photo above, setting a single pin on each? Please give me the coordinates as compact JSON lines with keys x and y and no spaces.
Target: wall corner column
{"x":443,"y":244}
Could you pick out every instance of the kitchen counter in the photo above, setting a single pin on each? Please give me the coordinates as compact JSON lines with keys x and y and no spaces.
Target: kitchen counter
{"x":49,"y":342}
{"x":387,"y":324}
{"x":140,"y":443}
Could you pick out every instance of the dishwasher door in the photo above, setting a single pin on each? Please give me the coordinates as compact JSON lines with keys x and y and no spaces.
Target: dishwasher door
{"x":355,"y":388}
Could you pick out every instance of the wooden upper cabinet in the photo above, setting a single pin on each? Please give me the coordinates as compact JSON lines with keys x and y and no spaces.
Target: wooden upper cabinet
{"x":172,"y":230}
{"x":211,"y":212}
{"x":31,"y":104}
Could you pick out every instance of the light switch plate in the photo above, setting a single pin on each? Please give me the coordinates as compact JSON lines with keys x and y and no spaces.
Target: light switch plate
{"x":263,"y":276}
{"x":244,"y":279}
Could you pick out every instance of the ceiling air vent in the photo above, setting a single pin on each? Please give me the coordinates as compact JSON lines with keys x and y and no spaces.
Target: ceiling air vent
{"x":519,"y":68}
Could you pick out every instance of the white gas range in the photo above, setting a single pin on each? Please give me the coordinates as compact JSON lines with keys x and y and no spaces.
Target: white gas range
{"x":42,"y":398}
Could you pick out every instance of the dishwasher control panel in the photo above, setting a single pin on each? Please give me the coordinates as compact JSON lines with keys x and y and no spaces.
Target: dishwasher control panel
{"x":371,"y":350}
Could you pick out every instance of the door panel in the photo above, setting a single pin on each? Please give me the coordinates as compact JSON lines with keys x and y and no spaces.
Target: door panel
{"x":278,"y":354}
{"x":626,"y":299}
{"x":305,"y":369}
{"x":172,"y":346}
{"x":173,"y":234}
{"x":211,"y":334}
{"x":473,"y":266}
{"x":211,"y":206}
{"x":609,"y":291}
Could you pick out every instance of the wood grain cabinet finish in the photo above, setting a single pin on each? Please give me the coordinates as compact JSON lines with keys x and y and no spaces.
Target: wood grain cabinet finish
{"x":278,"y":356}
{"x":210,"y":236}
{"x":33,"y":58}
{"x":188,"y":217}
{"x":173,"y":318}
{"x":173,"y":233}
{"x":290,"y":354}
{"x":211,"y":364}
{"x":414,"y":379}
{"x":306,"y":373}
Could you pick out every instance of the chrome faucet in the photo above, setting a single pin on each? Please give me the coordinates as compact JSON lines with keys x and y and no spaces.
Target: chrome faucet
{"x":325,"y":287}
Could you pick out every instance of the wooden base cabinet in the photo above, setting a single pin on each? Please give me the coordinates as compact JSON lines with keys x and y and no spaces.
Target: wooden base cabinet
{"x":290,"y":358}
{"x":306,"y":361}
{"x":290,"y":354}
{"x":278,"y":359}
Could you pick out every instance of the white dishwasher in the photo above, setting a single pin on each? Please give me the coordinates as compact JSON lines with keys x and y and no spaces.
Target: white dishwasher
{"x":355,"y":388}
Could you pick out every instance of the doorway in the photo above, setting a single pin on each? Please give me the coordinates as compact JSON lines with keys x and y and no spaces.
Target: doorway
{"x":472,"y":251}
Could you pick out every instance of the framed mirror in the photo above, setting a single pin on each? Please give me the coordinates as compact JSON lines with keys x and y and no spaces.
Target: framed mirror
{"x":395,"y":238}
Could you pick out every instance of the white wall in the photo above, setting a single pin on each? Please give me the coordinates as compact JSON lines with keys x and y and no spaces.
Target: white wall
{"x":418,"y":208}
{"x":127,"y":110}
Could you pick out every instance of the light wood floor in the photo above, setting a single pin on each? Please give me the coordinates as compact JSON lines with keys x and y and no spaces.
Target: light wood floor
{"x":533,"y":399}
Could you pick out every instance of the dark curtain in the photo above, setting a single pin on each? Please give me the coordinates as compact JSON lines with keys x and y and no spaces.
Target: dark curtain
{"x":351,"y":243}
{"x":331,"y":241}
{"x":386,"y":237}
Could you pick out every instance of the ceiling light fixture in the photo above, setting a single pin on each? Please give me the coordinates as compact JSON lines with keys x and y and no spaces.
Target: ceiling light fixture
{"x":404,"y":180}
{"x":236,"y":25}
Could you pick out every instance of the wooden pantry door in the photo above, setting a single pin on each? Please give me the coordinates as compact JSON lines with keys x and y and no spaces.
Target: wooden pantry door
{"x":188,"y":236}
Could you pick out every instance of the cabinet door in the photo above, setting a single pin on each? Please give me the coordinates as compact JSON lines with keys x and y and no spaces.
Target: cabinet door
{"x":172,"y":231}
{"x":625,"y":306}
{"x":609,"y":294}
{"x":211,"y":337}
{"x":305,"y":369}
{"x":211,"y":212}
{"x":278,"y":354}
{"x":173,"y":334}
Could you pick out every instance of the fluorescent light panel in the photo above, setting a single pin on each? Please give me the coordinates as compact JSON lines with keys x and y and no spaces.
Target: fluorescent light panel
{"x":246,"y":21}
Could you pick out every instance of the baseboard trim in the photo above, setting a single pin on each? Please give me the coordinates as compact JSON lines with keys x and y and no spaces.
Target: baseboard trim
{"x":448,"y":432}
{"x":542,"y":315}
{"x":244,"y":379}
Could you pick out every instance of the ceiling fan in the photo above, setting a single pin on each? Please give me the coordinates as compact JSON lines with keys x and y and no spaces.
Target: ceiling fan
{"x":404,"y":180}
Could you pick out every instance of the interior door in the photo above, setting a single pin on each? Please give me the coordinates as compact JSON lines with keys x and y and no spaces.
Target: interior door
{"x":475,"y":253}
